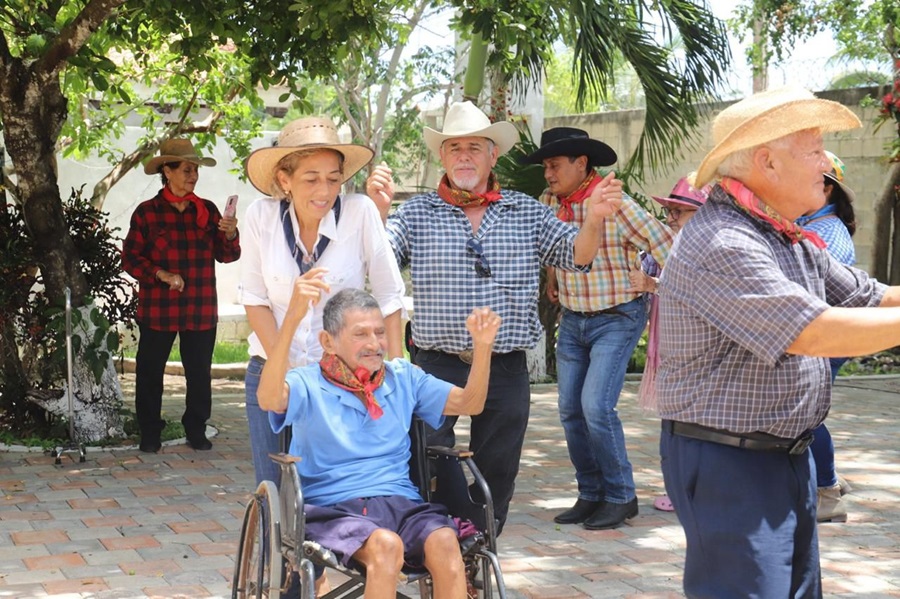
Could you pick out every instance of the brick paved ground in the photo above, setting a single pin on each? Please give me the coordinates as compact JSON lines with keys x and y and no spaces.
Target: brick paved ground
{"x":127,"y":525}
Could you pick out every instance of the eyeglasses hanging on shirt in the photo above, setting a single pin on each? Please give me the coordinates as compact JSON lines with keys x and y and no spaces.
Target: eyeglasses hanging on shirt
{"x":482,"y":268}
{"x":305,"y":262}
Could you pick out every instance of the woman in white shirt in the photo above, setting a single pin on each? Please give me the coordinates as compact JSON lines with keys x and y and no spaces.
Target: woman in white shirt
{"x":306,"y":223}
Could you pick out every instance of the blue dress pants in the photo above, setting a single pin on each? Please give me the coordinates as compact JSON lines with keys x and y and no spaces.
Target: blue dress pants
{"x":749,"y":518}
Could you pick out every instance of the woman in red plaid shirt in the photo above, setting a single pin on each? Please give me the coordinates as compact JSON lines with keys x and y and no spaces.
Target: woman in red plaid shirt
{"x":173,"y":243}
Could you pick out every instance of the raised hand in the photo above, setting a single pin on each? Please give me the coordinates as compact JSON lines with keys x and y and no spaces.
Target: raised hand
{"x":483,"y":324}
{"x":307,"y":292}
{"x":380,"y":187}
{"x":606,"y":199}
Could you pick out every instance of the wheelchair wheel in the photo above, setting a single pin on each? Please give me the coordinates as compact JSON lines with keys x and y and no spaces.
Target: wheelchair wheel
{"x":258,"y":567}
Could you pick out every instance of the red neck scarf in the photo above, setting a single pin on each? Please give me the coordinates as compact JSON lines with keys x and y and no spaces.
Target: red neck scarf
{"x":747,"y":200}
{"x":462,"y":198}
{"x":202,"y":212}
{"x":565,"y":212}
{"x":361,"y":382}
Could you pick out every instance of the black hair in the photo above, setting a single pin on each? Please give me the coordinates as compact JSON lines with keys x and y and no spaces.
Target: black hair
{"x":843,"y":206}
{"x":171,"y":165}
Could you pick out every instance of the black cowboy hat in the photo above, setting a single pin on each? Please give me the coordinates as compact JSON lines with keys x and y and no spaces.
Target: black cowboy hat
{"x":569,"y":141}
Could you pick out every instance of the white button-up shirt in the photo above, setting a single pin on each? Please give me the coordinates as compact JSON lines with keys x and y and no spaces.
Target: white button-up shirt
{"x":358,"y":247}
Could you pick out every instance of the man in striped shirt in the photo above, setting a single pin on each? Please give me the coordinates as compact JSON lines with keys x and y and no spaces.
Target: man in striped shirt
{"x":471,"y":244}
{"x":602,"y":320}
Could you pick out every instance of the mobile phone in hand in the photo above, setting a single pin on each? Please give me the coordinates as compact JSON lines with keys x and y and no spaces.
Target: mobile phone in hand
{"x":231,"y":206}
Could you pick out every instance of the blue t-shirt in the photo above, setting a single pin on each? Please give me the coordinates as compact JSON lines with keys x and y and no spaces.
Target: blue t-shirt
{"x":345,"y":453}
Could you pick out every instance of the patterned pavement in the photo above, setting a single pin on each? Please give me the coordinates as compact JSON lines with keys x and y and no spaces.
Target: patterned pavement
{"x":127,"y":525}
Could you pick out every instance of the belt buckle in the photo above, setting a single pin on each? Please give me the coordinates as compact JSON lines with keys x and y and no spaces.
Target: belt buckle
{"x":465,"y":356}
{"x":800,"y":445}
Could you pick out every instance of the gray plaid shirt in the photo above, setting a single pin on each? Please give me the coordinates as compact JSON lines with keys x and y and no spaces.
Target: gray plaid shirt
{"x":733,"y":296}
{"x":518,"y":235}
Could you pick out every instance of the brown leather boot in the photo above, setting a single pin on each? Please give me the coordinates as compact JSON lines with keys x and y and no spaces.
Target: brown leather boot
{"x":830,"y":507}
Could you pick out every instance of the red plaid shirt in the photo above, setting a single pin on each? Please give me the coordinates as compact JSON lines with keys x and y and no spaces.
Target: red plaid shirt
{"x":162,"y":238}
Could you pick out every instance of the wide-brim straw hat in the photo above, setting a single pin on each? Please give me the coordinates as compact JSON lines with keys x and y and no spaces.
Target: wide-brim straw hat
{"x":768,"y":116}
{"x":309,"y":133}
{"x":569,"y":141}
{"x":176,"y":150}
{"x":464,"y":119}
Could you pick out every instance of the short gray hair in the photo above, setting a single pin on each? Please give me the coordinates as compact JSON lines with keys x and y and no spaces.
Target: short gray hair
{"x":738,"y":164}
{"x":342,"y":302}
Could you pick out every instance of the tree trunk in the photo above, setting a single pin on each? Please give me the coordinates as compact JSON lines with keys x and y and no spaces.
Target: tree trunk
{"x":883,"y":268}
{"x":34,"y":110}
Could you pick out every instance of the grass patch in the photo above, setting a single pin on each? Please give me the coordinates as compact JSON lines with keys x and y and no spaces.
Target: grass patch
{"x":225,"y":352}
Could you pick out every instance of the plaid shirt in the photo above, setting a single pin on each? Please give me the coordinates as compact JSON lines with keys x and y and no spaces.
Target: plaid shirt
{"x":518,"y":235}
{"x":623,"y":237}
{"x":733,"y":297}
{"x":162,"y":238}
{"x":827,"y":225}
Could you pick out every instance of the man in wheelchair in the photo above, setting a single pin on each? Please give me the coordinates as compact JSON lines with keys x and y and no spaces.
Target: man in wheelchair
{"x":350,"y":416}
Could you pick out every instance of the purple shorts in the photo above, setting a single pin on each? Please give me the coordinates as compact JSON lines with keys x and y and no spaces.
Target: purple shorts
{"x":345,"y":526}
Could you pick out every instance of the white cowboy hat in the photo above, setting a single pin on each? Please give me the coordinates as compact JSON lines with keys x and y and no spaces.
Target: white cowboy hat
{"x":767,"y":116}
{"x":464,"y":119}
{"x":309,"y":133}
{"x":176,"y":150}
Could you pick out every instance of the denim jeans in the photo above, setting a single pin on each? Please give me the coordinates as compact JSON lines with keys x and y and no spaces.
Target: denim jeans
{"x":592,"y":354}
{"x":822,"y":447}
{"x":262,"y":440}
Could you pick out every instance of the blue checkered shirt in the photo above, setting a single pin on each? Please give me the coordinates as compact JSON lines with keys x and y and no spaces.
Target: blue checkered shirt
{"x":733,"y":297}
{"x":519,"y":236}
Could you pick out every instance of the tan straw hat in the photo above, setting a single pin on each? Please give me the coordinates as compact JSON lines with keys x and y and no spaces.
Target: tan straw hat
{"x":767,"y":116}
{"x":176,"y":150}
{"x":464,"y":119}
{"x":309,"y":133}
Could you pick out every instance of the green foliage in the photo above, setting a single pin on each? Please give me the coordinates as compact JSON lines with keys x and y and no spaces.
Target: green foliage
{"x":38,"y":326}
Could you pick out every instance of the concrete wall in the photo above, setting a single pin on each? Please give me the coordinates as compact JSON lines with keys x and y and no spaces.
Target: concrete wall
{"x":862,"y":151}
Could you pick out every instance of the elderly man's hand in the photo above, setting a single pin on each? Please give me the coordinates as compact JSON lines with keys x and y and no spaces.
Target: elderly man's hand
{"x":606,"y":199}
{"x":641,"y":282}
{"x":483,"y":324}
{"x":380,"y":187}
{"x":307,"y":292}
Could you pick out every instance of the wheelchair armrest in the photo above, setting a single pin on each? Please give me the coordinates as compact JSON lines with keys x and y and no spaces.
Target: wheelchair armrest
{"x":450,"y":452}
{"x":284,"y":458}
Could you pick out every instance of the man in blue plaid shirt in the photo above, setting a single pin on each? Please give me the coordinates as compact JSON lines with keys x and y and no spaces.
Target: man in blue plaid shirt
{"x":470,"y":244}
{"x":751,"y":307}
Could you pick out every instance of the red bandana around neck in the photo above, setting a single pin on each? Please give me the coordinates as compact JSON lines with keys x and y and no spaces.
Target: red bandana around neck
{"x":361,"y":382}
{"x":750,"y":203}
{"x":462,"y":198}
{"x":565,"y":211}
{"x":202,"y":212}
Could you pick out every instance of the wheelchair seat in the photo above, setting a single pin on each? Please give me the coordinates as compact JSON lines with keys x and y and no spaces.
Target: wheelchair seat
{"x":273,"y":545}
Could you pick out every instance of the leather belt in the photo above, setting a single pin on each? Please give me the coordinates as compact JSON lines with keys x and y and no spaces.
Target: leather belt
{"x":754,"y":441}
{"x":607,"y":311}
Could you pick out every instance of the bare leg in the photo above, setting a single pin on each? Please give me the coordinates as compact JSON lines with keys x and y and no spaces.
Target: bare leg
{"x":322,"y":585}
{"x":382,"y":556}
{"x":444,"y":562}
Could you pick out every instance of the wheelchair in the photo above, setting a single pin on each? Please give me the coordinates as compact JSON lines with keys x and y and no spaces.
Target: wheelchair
{"x":272,"y":544}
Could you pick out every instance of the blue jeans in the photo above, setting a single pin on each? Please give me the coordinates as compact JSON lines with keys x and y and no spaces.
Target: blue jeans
{"x":750,"y":533}
{"x":592,"y":354}
{"x":262,"y":440}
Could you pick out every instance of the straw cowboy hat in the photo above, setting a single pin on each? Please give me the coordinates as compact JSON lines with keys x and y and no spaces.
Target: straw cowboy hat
{"x":767,"y":116}
{"x":464,"y":119}
{"x":569,"y":141}
{"x":685,"y":194}
{"x":309,"y":133}
{"x":176,"y":150}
